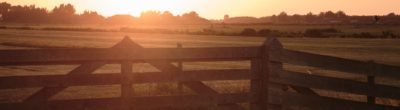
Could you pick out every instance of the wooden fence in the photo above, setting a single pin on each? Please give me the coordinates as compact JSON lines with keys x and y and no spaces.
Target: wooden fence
{"x":271,"y":87}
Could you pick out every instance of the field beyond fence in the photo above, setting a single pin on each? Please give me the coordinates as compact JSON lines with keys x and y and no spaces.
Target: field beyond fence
{"x":271,"y":85}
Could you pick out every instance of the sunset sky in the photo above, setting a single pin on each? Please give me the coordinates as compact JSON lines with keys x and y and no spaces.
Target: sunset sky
{"x":216,"y":9}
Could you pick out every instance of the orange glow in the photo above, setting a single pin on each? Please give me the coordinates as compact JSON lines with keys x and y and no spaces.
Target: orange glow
{"x":216,"y":9}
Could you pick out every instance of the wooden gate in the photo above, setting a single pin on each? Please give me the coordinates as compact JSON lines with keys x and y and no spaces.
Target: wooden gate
{"x":271,"y":86}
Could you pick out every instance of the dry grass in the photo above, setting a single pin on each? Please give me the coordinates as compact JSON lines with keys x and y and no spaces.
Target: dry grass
{"x":381,"y":50}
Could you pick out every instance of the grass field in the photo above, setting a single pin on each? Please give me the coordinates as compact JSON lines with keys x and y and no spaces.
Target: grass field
{"x":380,"y":50}
{"x":227,"y":29}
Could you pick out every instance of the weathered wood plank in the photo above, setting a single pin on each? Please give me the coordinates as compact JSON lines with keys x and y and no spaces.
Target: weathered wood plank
{"x":291,"y":99}
{"x":115,"y":78}
{"x":371,"y":81}
{"x":68,"y":56}
{"x":339,"y":64}
{"x":336,"y":84}
{"x":86,"y":68}
{"x":196,"y":86}
{"x":256,"y":84}
{"x":126,"y":86}
{"x":180,"y":67}
{"x":303,"y":90}
{"x":126,"y":79}
{"x":270,"y":68}
{"x":387,"y":71}
{"x":138,"y":103}
{"x":49,"y":91}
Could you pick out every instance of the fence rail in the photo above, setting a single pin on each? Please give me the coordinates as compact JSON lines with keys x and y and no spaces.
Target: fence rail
{"x":11,"y":82}
{"x":340,"y":64}
{"x":271,"y":86}
{"x":77,"y":56}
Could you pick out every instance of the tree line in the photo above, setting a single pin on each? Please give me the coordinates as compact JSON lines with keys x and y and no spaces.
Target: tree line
{"x":328,"y":17}
{"x":66,"y":14}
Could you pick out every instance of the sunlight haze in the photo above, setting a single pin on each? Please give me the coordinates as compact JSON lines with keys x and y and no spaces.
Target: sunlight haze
{"x":216,"y":9}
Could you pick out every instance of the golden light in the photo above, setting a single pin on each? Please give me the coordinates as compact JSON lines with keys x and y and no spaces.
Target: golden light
{"x":215,"y":9}
{"x":135,"y":7}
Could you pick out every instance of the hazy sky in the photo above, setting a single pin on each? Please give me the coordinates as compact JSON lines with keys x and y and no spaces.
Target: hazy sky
{"x":216,"y":9}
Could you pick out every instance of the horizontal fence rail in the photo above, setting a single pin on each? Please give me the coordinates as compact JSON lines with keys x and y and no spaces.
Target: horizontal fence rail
{"x":141,"y":103}
{"x":116,"y":78}
{"x":321,"y":103}
{"x":340,"y":64}
{"x":77,"y":56}
{"x":336,"y":84}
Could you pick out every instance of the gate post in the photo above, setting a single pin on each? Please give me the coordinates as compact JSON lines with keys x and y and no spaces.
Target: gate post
{"x":180,"y":67}
{"x":267,"y":65}
{"x":371,"y":80}
{"x":126,"y":86}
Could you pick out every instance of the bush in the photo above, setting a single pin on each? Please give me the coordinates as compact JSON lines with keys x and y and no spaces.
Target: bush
{"x":138,"y":30}
{"x":319,"y":32}
{"x":388,"y":34}
{"x":73,"y":29}
{"x":367,"y":35}
{"x":264,"y":32}
{"x":24,"y":28}
{"x":313,"y":33}
{"x":330,"y":30}
{"x":209,"y":31}
{"x":248,"y":32}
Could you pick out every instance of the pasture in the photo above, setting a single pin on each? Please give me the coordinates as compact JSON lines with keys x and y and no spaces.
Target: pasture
{"x":385,"y":51}
{"x":221,"y":29}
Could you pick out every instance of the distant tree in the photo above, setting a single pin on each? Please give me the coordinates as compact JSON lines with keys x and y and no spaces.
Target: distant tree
{"x":243,"y":19}
{"x":310,"y":18}
{"x":321,"y":14}
{"x":64,"y":10}
{"x":150,"y":17}
{"x":190,"y":15}
{"x":25,"y":14}
{"x":168,"y":18}
{"x":376,"y":19}
{"x":341,"y":14}
{"x":296,"y":18}
{"x":91,"y":17}
{"x":283,"y":17}
{"x":193,"y":18}
{"x":65,"y":13}
{"x":226,"y":17}
{"x":121,"y":20}
{"x":329,"y":14}
{"x":392,"y":14}
{"x":4,"y":8}
{"x":274,"y":18}
{"x":150,"y":14}
{"x":167,"y":14}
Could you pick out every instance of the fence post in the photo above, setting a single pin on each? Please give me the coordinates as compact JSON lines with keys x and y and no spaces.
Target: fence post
{"x":180,"y":67}
{"x":268,"y":65}
{"x":371,"y":80}
{"x":126,"y":86}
